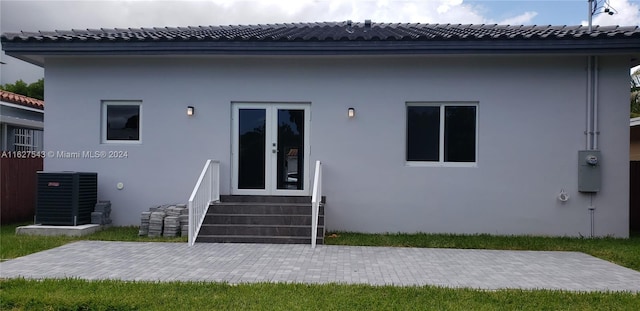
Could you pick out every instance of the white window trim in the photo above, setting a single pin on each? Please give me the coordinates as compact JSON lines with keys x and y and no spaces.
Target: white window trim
{"x":103,"y":121}
{"x":440,"y":162}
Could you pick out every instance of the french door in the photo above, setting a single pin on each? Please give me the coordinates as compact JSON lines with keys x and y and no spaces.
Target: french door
{"x":270,"y":149}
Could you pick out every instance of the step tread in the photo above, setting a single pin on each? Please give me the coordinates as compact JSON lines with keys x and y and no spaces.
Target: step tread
{"x":257,"y":236}
{"x":260,"y":217}
{"x":259,"y":241}
{"x":265,"y":215}
{"x":261,"y":204}
{"x":267,"y":198}
{"x":254,"y":226}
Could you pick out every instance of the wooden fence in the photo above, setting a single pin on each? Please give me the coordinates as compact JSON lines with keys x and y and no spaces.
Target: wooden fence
{"x":18,"y":188}
{"x":634,"y":196}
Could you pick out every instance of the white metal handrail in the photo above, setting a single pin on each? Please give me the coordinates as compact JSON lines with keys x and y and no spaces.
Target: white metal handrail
{"x":206,"y":191}
{"x":316,"y":199}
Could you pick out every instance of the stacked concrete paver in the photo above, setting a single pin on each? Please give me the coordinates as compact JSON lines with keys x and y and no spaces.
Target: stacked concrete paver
{"x":101,"y":214}
{"x":165,"y":221}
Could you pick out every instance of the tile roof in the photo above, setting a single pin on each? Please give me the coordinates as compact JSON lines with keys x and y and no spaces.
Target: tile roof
{"x":21,"y":100}
{"x":327,"y":38}
{"x":328,"y":31}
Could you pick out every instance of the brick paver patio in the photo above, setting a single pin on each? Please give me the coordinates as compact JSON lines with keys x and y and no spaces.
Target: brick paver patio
{"x":245,"y":263}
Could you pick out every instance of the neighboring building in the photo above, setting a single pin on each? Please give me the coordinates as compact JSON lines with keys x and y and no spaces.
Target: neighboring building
{"x":21,"y":122}
{"x":21,"y":128}
{"x":634,"y":126}
{"x":456,"y":128}
{"x":634,"y":157}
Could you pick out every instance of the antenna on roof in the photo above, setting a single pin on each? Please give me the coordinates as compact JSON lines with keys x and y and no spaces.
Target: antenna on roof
{"x":598,"y":7}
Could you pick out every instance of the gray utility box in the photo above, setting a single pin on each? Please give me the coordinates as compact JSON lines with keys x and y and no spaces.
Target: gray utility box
{"x":589,"y":172}
{"x":66,"y":198}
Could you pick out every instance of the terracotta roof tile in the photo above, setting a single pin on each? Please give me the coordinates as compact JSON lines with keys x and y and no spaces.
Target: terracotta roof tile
{"x":21,"y":100}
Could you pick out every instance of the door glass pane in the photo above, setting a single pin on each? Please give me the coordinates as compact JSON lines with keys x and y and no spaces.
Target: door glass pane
{"x":251,"y":148}
{"x":290,"y":149}
{"x":423,"y":133}
{"x":460,"y":134}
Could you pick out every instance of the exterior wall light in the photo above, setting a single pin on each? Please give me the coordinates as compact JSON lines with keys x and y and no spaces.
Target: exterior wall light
{"x":351,"y":113}
{"x":190,"y":110}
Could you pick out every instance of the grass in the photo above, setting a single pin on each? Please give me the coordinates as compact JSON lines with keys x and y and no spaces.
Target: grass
{"x":12,"y":245}
{"x":73,"y":294}
{"x":625,"y":252}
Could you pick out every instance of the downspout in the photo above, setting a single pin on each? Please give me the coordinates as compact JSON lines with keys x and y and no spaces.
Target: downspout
{"x":596,"y":130}
{"x":589,"y":130}
{"x":592,"y":103}
{"x":592,"y":125}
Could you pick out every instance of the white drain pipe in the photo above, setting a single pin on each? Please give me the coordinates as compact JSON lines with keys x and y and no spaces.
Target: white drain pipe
{"x":589,"y":122}
{"x":592,"y":124}
{"x":596,"y":128}
{"x":592,"y":104}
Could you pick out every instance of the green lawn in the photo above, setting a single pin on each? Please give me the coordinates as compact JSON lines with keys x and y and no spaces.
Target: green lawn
{"x":71,"y":294}
{"x":114,"y":295}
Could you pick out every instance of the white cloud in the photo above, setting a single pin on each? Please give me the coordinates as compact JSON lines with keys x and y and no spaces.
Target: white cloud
{"x":60,"y":14}
{"x":626,"y":14}
{"x":522,"y":19}
{"x":446,"y":5}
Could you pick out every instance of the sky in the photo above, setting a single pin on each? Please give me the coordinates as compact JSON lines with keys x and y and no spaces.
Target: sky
{"x":29,"y":15}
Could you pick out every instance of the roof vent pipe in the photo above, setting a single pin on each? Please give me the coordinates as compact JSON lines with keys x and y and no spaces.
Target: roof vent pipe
{"x":349,"y":27}
{"x":367,"y":23}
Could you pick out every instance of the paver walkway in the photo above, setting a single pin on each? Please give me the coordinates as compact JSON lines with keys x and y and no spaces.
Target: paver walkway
{"x":245,"y":263}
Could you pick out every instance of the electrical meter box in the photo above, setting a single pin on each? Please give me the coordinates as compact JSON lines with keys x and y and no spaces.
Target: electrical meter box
{"x":589,"y":172}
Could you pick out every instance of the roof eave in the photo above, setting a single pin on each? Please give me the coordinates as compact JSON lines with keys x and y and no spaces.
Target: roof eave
{"x":37,"y":60}
{"x":21,"y":106}
{"x":34,"y":52}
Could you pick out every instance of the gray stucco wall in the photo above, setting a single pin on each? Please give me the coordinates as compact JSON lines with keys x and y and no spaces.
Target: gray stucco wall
{"x":531,"y":125}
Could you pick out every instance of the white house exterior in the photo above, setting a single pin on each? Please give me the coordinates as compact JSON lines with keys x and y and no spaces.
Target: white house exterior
{"x":500,"y":115}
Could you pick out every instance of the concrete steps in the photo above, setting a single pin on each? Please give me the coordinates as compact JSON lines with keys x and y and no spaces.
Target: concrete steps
{"x":261,"y":219}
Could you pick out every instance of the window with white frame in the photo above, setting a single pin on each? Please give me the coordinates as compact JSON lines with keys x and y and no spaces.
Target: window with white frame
{"x":25,"y":139}
{"x":121,"y":121}
{"x":442,"y":133}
